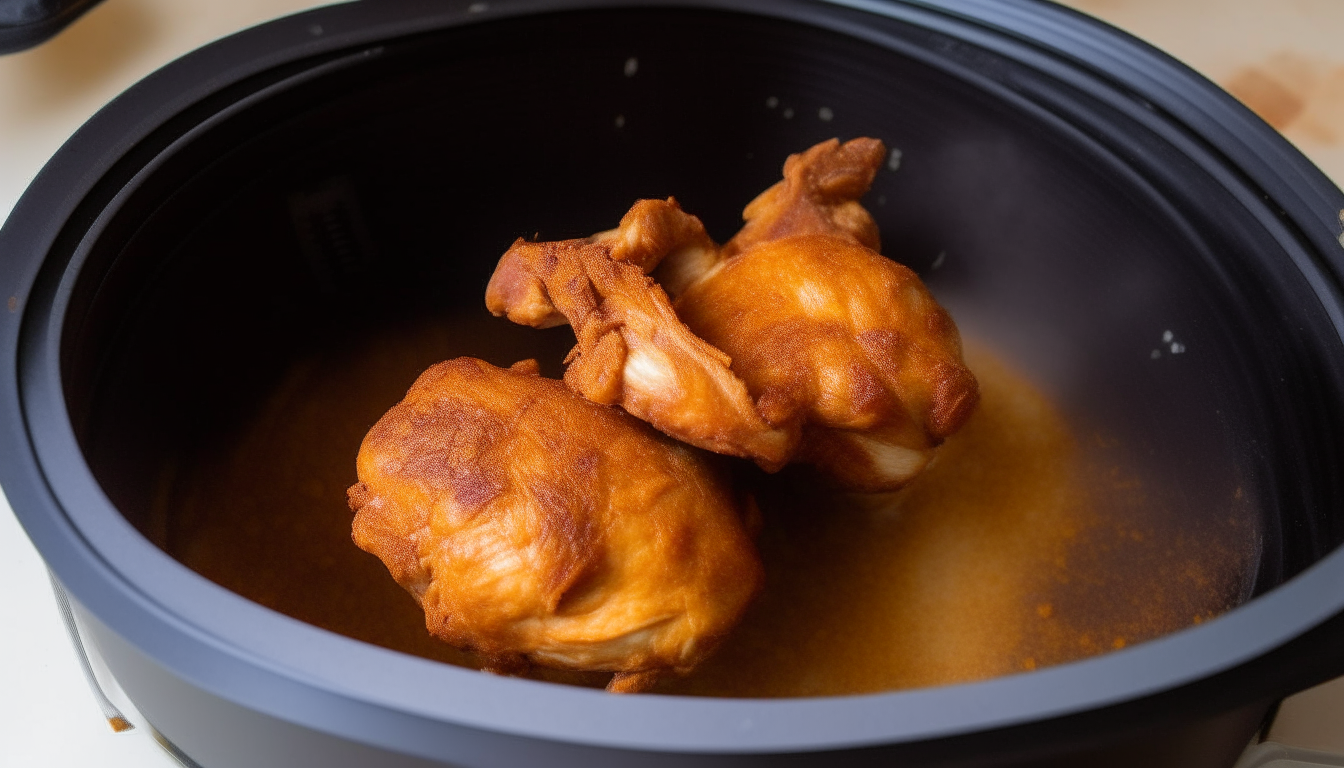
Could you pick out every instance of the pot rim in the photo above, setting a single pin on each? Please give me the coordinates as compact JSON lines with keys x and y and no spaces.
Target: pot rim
{"x":271,"y":663}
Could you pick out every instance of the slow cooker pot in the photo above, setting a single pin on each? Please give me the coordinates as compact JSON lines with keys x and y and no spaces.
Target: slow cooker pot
{"x":1071,"y":194}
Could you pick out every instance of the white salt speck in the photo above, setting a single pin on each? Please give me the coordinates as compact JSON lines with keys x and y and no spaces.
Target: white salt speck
{"x":771,"y":103}
{"x":1177,"y":348}
{"x":315,"y":30}
{"x":788,"y":113}
{"x":894,"y":159}
{"x":631,"y":66}
{"x":825,"y":114}
{"x":1156,"y":353}
{"x":1167,"y":336}
{"x":938,"y":260}
{"x":478,"y":8}
{"x":620,"y":121}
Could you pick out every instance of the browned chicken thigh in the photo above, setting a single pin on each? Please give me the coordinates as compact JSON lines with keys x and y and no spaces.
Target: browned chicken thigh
{"x":795,"y":341}
{"x":535,"y":527}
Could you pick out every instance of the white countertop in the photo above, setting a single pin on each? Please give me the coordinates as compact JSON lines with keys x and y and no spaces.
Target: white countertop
{"x":1283,"y":57}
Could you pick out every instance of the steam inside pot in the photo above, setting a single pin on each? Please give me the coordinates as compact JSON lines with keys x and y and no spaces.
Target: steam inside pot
{"x":252,"y":309}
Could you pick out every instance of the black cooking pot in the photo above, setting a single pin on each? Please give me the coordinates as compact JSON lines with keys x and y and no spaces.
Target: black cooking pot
{"x":1161,"y":263}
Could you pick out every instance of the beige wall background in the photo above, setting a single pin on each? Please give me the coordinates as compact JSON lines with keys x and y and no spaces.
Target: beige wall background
{"x":1282,"y":58}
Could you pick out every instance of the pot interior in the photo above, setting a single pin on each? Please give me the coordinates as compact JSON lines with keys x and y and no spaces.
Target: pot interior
{"x":272,"y":285}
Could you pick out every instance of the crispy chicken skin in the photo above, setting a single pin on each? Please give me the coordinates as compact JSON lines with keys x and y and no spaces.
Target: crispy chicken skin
{"x":844,"y":343}
{"x":826,"y":331}
{"x":535,"y":527}
{"x":632,"y":349}
{"x":795,"y":341}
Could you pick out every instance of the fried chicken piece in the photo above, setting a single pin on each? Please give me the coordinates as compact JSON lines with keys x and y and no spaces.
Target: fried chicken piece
{"x":535,"y":527}
{"x":822,"y":327}
{"x":632,"y":349}
{"x":847,"y":342}
{"x":846,"y":361}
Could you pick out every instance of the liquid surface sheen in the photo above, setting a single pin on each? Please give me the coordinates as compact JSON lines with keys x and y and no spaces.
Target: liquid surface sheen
{"x":1025,"y":543}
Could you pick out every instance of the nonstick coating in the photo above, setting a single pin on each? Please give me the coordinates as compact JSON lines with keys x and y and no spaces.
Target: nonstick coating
{"x":360,"y":168}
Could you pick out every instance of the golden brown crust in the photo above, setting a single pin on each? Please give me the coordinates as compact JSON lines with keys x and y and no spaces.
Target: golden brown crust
{"x":819,"y":195}
{"x":535,"y":527}
{"x":632,"y":350}
{"x":795,"y":341}
{"x":849,"y":342}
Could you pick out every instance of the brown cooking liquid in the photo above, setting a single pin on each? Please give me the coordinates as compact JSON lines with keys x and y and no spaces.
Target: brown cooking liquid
{"x":1018,"y":548}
